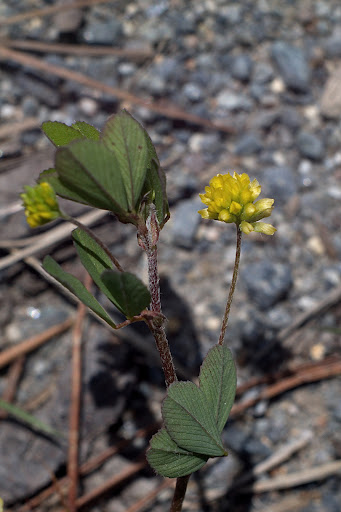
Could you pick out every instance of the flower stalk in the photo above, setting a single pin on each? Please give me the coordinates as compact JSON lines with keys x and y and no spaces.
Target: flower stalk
{"x":232,"y":287}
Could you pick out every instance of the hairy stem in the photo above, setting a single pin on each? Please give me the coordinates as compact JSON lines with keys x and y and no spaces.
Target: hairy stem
{"x":159,"y":333}
{"x":157,"y":327}
{"x":166,"y":358}
{"x":232,"y":287}
{"x":95,"y":237}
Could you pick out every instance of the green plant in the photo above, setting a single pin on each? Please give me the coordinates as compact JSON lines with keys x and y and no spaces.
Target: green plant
{"x":118,"y":170}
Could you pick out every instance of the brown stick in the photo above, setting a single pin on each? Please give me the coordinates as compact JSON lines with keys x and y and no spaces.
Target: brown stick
{"x":77,"y":49}
{"x":18,"y":18}
{"x":274,"y":377}
{"x":131,"y":470}
{"x":14,"y":375}
{"x":298,"y":478}
{"x":318,"y":372}
{"x":85,"y":469}
{"x":51,"y":237}
{"x":12,"y":129}
{"x":277,"y":458}
{"x":150,"y":497}
{"x":75,"y":404}
{"x":327,"y":302}
{"x":9,"y":355}
{"x":171,"y":111}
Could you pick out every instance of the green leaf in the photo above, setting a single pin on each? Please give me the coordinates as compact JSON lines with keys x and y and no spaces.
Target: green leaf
{"x":189,"y":420}
{"x":169,"y":460}
{"x":51,"y":176}
{"x":88,"y":169}
{"x":156,"y":182}
{"x":76,"y":287}
{"x":218,"y":382}
{"x":128,"y":292}
{"x":87,"y":130}
{"x":32,"y":421}
{"x":94,"y":259}
{"x":60,"y":134}
{"x":125,"y":137}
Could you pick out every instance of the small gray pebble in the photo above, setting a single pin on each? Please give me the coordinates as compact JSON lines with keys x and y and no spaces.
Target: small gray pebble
{"x":292,"y":65}
{"x":310,"y":146}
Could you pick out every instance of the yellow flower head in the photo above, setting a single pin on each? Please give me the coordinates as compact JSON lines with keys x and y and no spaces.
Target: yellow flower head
{"x":231,"y":199}
{"x":40,"y":204}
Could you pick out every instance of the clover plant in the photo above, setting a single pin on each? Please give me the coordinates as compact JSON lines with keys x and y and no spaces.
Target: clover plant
{"x":118,"y":170}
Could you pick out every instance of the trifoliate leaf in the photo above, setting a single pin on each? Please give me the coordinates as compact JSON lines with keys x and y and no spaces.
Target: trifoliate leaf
{"x":171,"y":461}
{"x":218,"y":382}
{"x":189,"y":420}
{"x":128,"y":292}
{"x":76,"y":287}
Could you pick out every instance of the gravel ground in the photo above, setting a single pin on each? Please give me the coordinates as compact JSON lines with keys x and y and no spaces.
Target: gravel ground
{"x":269,"y":71}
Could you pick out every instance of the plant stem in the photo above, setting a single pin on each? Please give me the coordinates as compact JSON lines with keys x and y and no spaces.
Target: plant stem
{"x":159,"y":334}
{"x":158,"y":329}
{"x":232,"y":287}
{"x":95,"y":237}
{"x":179,"y":493}
{"x":148,"y":238}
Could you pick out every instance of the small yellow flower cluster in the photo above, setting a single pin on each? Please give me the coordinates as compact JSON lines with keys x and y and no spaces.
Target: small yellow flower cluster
{"x":231,"y":199}
{"x":40,"y":204}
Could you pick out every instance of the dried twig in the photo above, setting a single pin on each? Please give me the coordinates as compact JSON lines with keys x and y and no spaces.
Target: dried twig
{"x":12,"y":129}
{"x":302,"y":477}
{"x":170,"y":111}
{"x":12,"y":353}
{"x":10,"y":209}
{"x":149,"y":498}
{"x":75,"y":404}
{"x":277,"y":458}
{"x":51,"y":237}
{"x":330,"y":300}
{"x":86,"y":468}
{"x":14,"y":375}
{"x":77,"y":49}
{"x":285,"y":372}
{"x":18,"y":18}
{"x":290,"y":504}
{"x":320,"y":371}
{"x":130,"y":471}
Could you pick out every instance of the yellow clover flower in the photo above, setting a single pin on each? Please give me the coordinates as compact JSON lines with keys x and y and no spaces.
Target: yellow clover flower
{"x":231,"y":199}
{"x":40,"y":204}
